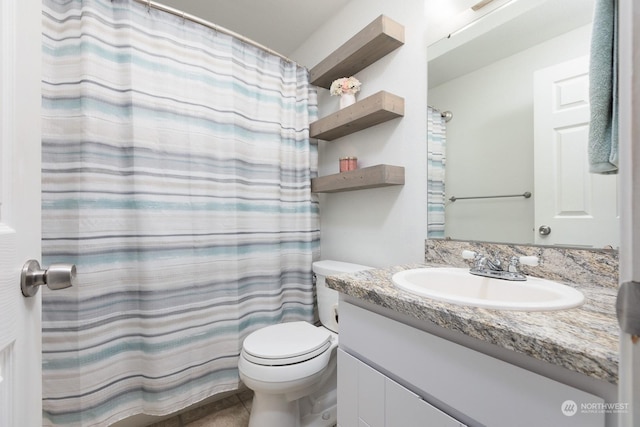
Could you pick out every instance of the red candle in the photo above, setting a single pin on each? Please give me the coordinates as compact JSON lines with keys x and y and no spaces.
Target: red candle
{"x":348,"y":164}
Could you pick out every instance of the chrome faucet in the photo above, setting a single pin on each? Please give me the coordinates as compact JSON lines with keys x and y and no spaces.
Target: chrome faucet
{"x":483,"y":266}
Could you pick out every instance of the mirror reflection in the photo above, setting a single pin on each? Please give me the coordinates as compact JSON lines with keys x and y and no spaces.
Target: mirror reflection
{"x":514,"y":85}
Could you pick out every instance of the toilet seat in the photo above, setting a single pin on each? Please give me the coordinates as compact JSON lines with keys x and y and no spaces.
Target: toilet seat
{"x":286,"y":344}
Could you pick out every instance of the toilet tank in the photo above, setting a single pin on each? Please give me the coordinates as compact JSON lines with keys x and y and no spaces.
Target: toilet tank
{"x":328,"y":298}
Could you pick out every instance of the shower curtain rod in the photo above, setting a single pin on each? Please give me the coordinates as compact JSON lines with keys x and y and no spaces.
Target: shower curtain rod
{"x":184,"y":15}
{"x":446,"y":115}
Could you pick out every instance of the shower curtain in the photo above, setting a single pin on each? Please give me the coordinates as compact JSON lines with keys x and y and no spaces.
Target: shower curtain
{"x":176,"y":176}
{"x":436,"y":161}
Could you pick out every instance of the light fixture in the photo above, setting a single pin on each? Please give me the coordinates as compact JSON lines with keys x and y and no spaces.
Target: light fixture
{"x":476,"y":7}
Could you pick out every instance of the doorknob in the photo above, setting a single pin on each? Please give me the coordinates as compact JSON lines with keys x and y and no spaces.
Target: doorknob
{"x":544,"y":230}
{"x":58,"y":276}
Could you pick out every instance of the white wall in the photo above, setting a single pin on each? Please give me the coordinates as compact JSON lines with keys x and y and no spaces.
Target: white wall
{"x":382,"y":226}
{"x":490,"y":141}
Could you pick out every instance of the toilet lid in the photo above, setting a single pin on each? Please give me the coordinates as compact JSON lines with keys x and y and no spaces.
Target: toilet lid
{"x":286,"y":343}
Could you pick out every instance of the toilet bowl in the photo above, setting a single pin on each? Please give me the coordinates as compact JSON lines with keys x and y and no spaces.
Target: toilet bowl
{"x":291,"y":367}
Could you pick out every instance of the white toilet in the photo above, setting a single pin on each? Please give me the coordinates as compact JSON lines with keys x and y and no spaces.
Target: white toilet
{"x":291,"y":367}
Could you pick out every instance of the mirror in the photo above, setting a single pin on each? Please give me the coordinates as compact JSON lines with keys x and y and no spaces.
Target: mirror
{"x":483,"y":75}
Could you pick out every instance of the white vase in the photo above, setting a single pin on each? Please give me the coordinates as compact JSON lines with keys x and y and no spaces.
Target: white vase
{"x":347,"y":99}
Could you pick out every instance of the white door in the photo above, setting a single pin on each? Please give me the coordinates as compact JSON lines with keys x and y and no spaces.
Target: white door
{"x":579,"y":208}
{"x":20,"y":341}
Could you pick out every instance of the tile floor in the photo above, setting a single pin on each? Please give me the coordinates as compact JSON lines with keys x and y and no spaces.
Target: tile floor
{"x":232,"y":411}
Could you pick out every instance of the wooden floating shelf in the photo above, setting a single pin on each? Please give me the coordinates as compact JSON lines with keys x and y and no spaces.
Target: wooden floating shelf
{"x":373,"y":110}
{"x":374,"y":41}
{"x":359,"y":179}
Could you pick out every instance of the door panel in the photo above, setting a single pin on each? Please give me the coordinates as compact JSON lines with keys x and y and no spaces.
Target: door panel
{"x":579,"y":207}
{"x":20,"y":321}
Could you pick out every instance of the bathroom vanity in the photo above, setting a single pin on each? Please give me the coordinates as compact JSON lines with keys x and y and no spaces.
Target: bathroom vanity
{"x":405,"y":360}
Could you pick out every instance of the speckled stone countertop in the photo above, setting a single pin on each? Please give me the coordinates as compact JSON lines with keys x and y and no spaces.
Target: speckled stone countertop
{"x":583,"y":339}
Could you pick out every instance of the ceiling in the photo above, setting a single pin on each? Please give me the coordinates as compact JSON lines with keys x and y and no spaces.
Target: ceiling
{"x":505,"y":35}
{"x":280,"y":25}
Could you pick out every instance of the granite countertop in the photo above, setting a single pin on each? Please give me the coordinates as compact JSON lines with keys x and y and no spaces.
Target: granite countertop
{"x":582,"y":339}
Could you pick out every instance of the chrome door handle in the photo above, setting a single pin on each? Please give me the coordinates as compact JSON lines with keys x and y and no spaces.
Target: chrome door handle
{"x":58,"y":276}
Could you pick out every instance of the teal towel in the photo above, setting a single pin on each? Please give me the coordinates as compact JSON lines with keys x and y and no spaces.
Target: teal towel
{"x":603,"y":88}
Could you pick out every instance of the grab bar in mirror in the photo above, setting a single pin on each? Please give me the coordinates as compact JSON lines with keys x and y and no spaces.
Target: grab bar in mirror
{"x":526,"y":195}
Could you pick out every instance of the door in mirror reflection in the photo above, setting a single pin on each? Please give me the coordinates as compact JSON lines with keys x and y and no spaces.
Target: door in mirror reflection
{"x":579,"y":208}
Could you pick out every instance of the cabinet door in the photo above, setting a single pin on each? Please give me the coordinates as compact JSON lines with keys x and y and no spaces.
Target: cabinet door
{"x":367,"y":398}
{"x":405,"y":408}
{"x":360,"y":393}
{"x":371,"y":396}
{"x":347,"y":390}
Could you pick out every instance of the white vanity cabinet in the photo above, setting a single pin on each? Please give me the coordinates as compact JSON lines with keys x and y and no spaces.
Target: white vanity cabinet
{"x":370,"y":399}
{"x":380,"y":359}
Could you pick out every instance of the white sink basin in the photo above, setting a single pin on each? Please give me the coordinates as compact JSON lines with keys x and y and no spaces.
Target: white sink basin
{"x":458,"y":286}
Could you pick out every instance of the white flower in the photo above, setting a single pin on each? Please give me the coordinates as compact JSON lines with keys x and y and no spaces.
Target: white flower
{"x":345,"y":85}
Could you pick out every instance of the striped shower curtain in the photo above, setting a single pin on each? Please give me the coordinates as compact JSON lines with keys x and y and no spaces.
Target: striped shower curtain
{"x":436,"y":161}
{"x":176,"y":176}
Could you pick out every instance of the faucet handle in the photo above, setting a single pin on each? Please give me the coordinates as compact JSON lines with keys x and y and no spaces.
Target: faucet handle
{"x":469,"y":254}
{"x":529,"y":260}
